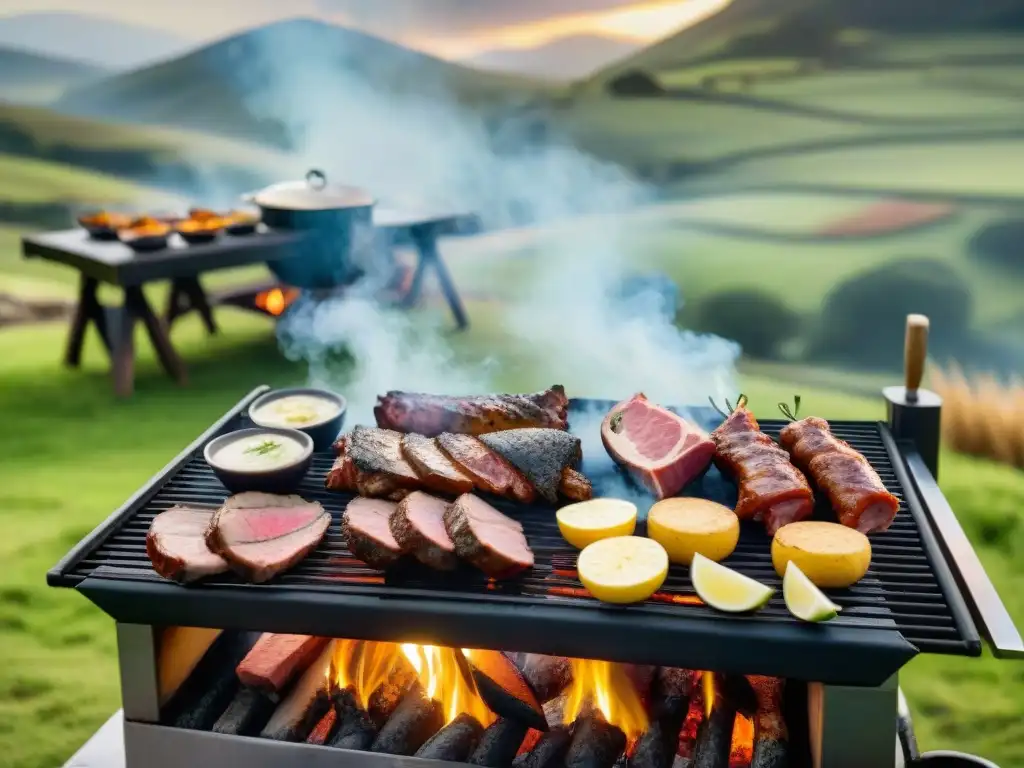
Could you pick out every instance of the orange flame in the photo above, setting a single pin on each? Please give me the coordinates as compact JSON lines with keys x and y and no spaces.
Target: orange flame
{"x":276,"y":300}
{"x":363,"y":667}
{"x":742,"y":751}
{"x":708,"y":681}
{"x":606,"y":686}
{"x":443,"y":680}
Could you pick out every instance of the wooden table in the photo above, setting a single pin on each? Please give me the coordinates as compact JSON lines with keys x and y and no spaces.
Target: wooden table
{"x":116,"y":264}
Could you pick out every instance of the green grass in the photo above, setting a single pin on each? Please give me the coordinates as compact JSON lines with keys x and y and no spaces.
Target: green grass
{"x":79,"y":454}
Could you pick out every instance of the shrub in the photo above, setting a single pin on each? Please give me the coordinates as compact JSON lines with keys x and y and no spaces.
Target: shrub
{"x":1001,"y":245}
{"x":759,"y":322}
{"x":635,"y":82}
{"x":862,"y":319}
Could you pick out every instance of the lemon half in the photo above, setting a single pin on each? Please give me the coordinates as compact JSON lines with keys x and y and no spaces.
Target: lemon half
{"x":725,"y":589}
{"x":623,"y":569}
{"x":686,"y":526}
{"x":584,"y":523}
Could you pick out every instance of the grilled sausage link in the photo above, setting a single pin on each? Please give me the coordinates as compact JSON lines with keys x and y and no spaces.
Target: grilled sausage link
{"x":770,"y":487}
{"x":856,"y":492}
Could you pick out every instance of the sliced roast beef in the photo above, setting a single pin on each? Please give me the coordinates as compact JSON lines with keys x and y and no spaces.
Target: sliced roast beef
{"x":436,"y":471}
{"x":418,"y":526}
{"x":489,"y":471}
{"x":540,"y":454}
{"x":366,"y":528}
{"x":486,"y":538}
{"x":660,"y":450}
{"x":262,"y":534}
{"x":176,"y":545}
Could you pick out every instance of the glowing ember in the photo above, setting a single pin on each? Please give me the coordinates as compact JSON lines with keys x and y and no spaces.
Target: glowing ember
{"x":275,"y":301}
{"x":708,"y":680}
{"x":444,"y":679}
{"x":742,"y":751}
{"x":605,"y":686}
{"x":364,"y":667}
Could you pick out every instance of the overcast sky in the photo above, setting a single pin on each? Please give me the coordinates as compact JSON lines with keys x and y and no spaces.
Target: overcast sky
{"x":452,"y":28}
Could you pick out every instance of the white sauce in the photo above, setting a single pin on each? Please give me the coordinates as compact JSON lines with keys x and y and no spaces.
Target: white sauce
{"x":296,"y":411}
{"x":258,"y":453}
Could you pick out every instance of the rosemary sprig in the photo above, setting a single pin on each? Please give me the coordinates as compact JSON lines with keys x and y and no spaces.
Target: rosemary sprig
{"x":791,"y":414}
{"x":262,"y":449}
{"x":741,"y":402}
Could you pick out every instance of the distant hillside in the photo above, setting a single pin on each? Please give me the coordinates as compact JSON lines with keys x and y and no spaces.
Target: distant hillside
{"x":96,"y":40}
{"x":566,"y":58}
{"x":811,"y":28}
{"x":30,"y":78}
{"x":251,"y":85}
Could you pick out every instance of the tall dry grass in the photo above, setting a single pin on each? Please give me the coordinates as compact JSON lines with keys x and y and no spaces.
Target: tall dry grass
{"x":981,"y":415}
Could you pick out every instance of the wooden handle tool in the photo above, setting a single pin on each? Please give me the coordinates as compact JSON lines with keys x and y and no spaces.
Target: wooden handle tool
{"x":915,"y":351}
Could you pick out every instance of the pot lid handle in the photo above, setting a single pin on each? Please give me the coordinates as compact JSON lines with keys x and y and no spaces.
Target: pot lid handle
{"x":316,"y":179}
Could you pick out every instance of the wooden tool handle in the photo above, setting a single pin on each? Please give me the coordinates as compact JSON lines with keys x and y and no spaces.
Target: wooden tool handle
{"x":915,"y":350}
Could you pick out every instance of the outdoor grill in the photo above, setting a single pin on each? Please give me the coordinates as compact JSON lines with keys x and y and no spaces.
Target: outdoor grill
{"x":925,"y":593}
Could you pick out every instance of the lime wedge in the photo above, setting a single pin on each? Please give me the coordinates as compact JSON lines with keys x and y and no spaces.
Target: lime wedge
{"x":725,"y":589}
{"x":804,"y":600}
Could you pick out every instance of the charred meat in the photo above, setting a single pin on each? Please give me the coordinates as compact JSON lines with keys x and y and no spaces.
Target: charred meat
{"x":539,"y":454}
{"x":417,"y":524}
{"x":368,"y":533}
{"x":770,"y":487}
{"x":437,"y":472}
{"x":431,"y":415}
{"x":486,"y":538}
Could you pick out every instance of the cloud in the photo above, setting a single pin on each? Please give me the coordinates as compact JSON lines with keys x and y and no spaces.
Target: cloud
{"x":448,"y":17}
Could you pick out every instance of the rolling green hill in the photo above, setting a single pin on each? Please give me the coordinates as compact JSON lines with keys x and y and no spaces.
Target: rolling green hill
{"x":31,"y":78}
{"x":235,"y":87}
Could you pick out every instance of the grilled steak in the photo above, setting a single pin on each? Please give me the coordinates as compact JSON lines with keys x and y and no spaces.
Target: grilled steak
{"x":436,"y":471}
{"x":858,"y":495}
{"x":540,"y":454}
{"x":261,"y":535}
{"x":431,"y":415}
{"x":370,"y":462}
{"x":176,"y":545}
{"x":276,"y":660}
{"x":660,"y":450}
{"x":418,"y":526}
{"x":365,"y":525}
{"x":486,"y":538}
{"x":489,"y":471}
{"x":770,"y":487}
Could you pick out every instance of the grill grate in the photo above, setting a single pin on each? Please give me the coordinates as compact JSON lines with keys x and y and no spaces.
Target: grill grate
{"x":904,"y":589}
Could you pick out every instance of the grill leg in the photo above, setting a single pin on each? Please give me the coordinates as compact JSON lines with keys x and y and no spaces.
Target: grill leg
{"x":852,"y":727}
{"x":137,"y":660}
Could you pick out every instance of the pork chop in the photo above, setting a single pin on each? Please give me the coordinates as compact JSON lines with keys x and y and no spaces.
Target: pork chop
{"x":660,"y":450}
{"x":176,"y":545}
{"x":262,"y":535}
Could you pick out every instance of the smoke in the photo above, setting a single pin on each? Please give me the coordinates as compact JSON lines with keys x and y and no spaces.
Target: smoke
{"x":387,"y":122}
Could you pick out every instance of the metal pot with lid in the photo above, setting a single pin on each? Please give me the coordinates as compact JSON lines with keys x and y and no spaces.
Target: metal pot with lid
{"x":340,"y":216}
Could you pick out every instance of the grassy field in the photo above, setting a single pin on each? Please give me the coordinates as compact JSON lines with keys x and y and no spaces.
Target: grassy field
{"x":80,"y":453}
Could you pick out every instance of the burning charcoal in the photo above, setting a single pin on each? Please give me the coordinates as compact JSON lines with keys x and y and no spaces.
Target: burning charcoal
{"x":248,"y":712}
{"x":595,"y":743}
{"x":714,"y":734}
{"x":208,"y":691}
{"x":771,"y":737}
{"x":548,"y":751}
{"x":499,"y":744}
{"x":455,"y":741}
{"x":503,"y":688}
{"x":547,"y":675}
{"x":303,"y":707}
{"x":355,"y":729}
{"x":416,"y":719}
{"x":323,"y":730}
{"x":390,"y":693}
{"x":670,"y":701}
